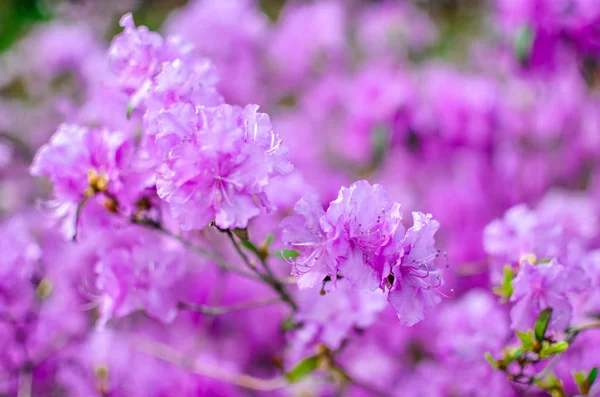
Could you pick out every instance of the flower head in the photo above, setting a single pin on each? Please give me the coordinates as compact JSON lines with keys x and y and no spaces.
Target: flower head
{"x":218,"y":166}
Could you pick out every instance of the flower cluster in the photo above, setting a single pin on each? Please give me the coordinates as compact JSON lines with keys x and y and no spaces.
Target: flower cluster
{"x":360,"y":238}
{"x":162,"y":236}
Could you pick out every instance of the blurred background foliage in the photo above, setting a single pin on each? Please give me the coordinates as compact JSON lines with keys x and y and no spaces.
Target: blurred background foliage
{"x":459,"y":21}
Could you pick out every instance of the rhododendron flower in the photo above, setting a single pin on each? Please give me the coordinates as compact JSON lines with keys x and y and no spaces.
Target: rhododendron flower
{"x":363,"y":219}
{"x":304,"y":232}
{"x":81,"y":162}
{"x":413,"y":279}
{"x":166,"y":70}
{"x":219,"y":165}
{"x":542,"y":286}
{"x":138,"y":273}
{"x":360,"y":238}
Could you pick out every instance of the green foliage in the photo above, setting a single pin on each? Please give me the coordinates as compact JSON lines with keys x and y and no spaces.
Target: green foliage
{"x":379,"y":143}
{"x":491,"y":360}
{"x":288,"y":254}
{"x":584,"y":382}
{"x":527,"y":340}
{"x":524,"y":43}
{"x":541,"y":324}
{"x":505,"y":290}
{"x":303,"y":369}
{"x":17,"y":17}
{"x":552,"y":385}
{"x":592,"y":376}
{"x":549,"y":350}
{"x":272,"y":8}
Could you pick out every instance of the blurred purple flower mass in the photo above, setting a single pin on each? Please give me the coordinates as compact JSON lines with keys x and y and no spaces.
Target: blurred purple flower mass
{"x":301,"y":198}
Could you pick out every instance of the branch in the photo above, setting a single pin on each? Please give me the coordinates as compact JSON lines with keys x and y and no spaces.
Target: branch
{"x":198,"y":250}
{"x":267,"y":278}
{"x":570,"y":338}
{"x":25,"y":383}
{"x":239,"y":250}
{"x":170,"y":355}
{"x":217,"y":310}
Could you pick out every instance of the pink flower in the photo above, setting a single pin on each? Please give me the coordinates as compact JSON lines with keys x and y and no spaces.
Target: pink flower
{"x":81,"y":162}
{"x":413,"y":279}
{"x":218,"y":164}
{"x":138,"y":272}
{"x":360,"y":238}
{"x":542,"y":286}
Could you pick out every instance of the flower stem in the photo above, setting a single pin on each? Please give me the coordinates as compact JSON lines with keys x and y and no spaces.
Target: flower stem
{"x":267,"y":278}
{"x":217,"y":310}
{"x":194,"y":248}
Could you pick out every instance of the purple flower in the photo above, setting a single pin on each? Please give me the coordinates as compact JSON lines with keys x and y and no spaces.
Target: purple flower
{"x":562,"y":226}
{"x":138,"y":272}
{"x":81,"y":162}
{"x":164,"y":71}
{"x":304,"y":232}
{"x":542,"y":286}
{"x":360,"y":238}
{"x":361,"y":221}
{"x":218,"y":164}
{"x":135,"y":55}
{"x":413,"y":279}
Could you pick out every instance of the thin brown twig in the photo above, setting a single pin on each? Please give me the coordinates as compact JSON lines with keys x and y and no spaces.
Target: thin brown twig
{"x":267,"y":278}
{"x":241,"y":252}
{"x":192,"y":247}
{"x":168,"y":354}
{"x":217,"y":310}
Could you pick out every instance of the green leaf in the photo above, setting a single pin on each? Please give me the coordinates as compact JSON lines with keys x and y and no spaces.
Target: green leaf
{"x":130,"y":110}
{"x":526,"y":339}
{"x":524,"y":43}
{"x":242,"y":234}
{"x":268,"y":240}
{"x":580,"y":381}
{"x":490,"y":359}
{"x":541,"y":324}
{"x":249,"y":246}
{"x":591,"y":378}
{"x":514,"y":354}
{"x":552,"y":349}
{"x":288,"y":254}
{"x":303,"y":369}
{"x":505,"y":290}
{"x":380,"y":144}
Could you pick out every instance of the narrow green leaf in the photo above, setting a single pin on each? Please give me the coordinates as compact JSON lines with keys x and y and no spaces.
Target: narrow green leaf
{"x":591,"y":378}
{"x":380,"y":144}
{"x":505,"y":290}
{"x":251,"y":247}
{"x":526,"y":339}
{"x":130,"y":110}
{"x":514,"y":354}
{"x":490,"y":359}
{"x":269,"y":240}
{"x":555,"y":348}
{"x":303,"y":369}
{"x":524,"y":43}
{"x":541,"y":324}
{"x":580,"y":380}
{"x":288,"y":254}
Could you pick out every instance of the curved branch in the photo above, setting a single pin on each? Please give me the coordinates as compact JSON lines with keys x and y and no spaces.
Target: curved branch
{"x":194,"y":248}
{"x":170,"y":355}
{"x":217,"y":310}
